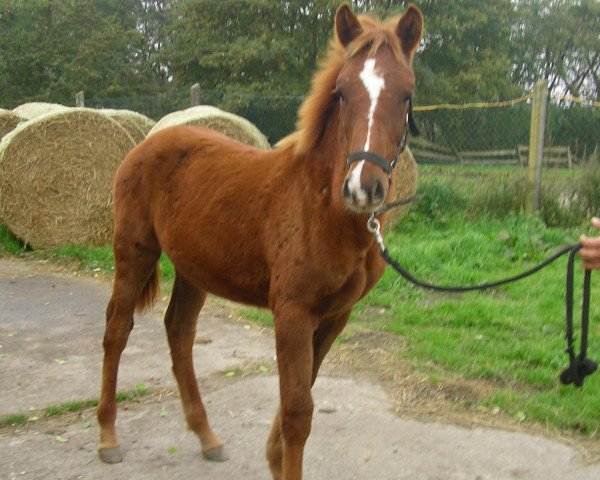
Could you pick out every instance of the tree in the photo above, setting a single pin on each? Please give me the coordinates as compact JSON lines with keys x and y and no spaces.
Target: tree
{"x":257,"y":46}
{"x":558,"y":40}
{"x":466,"y":51}
{"x":52,"y":49}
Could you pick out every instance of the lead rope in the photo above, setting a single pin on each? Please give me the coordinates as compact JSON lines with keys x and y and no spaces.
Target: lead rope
{"x":579,"y":366}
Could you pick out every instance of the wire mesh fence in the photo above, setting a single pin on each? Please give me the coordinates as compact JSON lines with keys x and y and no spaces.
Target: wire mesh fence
{"x":153,"y":106}
{"x":275,"y":116}
{"x":487,"y":134}
{"x":493,"y":134}
{"x":576,"y":127}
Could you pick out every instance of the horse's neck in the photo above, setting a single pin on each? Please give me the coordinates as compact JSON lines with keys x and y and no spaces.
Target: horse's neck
{"x":323,"y":171}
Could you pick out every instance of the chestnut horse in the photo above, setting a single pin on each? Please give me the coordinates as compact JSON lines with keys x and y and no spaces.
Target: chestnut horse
{"x":283,"y":229}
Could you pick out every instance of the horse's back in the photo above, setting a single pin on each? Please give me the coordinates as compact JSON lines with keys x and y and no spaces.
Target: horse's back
{"x":164,"y":151}
{"x":171,"y":158}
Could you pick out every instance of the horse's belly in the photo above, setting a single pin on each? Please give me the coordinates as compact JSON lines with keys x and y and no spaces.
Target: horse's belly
{"x":216,"y":247}
{"x":251,"y":293}
{"x":223,"y":273}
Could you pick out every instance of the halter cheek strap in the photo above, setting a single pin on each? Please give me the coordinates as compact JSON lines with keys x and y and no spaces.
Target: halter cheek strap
{"x":377,"y":159}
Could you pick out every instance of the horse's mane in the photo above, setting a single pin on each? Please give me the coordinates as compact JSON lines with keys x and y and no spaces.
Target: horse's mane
{"x":319,"y":104}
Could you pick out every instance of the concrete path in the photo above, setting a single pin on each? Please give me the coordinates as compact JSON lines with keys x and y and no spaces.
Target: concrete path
{"x":51,"y":328}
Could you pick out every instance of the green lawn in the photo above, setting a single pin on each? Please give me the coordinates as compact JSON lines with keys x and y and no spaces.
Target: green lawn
{"x":512,"y":336}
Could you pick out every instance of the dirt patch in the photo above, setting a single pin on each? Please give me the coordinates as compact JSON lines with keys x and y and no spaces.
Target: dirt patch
{"x":377,"y":356}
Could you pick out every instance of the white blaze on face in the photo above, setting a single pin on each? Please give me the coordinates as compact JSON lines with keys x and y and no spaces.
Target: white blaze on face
{"x":374,"y":84}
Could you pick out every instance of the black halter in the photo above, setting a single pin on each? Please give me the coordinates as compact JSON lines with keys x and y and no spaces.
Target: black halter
{"x":388,"y":167}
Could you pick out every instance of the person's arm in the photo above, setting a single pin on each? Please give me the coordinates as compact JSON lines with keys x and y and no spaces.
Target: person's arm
{"x":590,"y":248}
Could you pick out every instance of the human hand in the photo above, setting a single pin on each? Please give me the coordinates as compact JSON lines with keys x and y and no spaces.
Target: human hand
{"x":590,"y":248}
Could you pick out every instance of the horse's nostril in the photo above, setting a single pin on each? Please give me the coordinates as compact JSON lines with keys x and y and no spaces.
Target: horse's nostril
{"x":346,"y":189}
{"x":379,"y":191}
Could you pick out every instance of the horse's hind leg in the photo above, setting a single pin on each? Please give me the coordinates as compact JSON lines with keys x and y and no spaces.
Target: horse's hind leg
{"x":135,"y":281}
{"x":180,"y":322}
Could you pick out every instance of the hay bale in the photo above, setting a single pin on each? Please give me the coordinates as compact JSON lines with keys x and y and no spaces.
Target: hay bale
{"x":136,"y":124}
{"x":227,"y":123}
{"x":8,"y":121}
{"x":37,"y":109}
{"x":406,"y":185}
{"x":56,"y":175}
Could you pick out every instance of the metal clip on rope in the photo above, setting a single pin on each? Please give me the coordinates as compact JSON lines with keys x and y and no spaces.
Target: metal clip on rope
{"x":374,"y":226}
{"x":579,"y":366}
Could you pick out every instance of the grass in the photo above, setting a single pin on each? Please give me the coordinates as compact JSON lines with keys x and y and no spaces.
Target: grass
{"x":469,"y":228}
{"x":260,"y":316}
{"x":139,"y":390}
{"x":8,"y":243}
{"x":511,"y":337}
{"x":91,"y":259}
{"x":14,"y":419}
{"x":100,"y":259}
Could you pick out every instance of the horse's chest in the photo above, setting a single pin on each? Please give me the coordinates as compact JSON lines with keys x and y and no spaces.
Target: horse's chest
{"x":337,"y":287}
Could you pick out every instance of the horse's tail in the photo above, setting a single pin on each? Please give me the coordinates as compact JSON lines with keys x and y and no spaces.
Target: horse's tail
{"x":150,"y":291}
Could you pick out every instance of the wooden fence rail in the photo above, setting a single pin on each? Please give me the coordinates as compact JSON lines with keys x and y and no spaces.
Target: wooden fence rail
{"x":425,"y":151}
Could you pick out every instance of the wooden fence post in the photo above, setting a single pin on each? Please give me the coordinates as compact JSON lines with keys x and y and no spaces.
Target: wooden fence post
{"x":80,"y":99}
{"x":536,"y":146}
{"x":195,"y":95}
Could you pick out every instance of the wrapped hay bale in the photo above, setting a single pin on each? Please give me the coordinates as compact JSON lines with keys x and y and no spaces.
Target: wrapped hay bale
{"x":8,"y":121}
{"x":406,"y":185}
{"x":56,"y":175}
{"x":37,"y":109}
{"x":227,"y":123}
{"x":136,"y":124}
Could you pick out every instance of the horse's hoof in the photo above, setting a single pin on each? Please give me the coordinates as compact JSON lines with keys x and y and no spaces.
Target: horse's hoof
{"x":111,"y":455}
{"x":216,"y":454}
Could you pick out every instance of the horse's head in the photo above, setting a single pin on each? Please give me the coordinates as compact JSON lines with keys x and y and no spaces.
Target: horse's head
{"x":374,"y":88}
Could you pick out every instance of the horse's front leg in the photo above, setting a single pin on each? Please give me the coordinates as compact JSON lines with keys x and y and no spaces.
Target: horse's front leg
{"x":294,"y":328}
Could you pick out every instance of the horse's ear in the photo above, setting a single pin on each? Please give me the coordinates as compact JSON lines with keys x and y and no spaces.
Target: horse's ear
{"x":410,"y":30}
{"x":347,"y":26}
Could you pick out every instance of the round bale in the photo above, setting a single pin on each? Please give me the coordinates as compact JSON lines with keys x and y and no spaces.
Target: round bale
{"x":8,"y":121}
{"x":37,"y":109}
{"x":233,"y":126}
{"x":136,"y":124}
{"x":56,"y":175}
{"x":406,"y":186}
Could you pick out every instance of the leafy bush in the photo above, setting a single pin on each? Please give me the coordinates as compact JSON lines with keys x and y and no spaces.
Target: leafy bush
{"x":568,"y":198}
{"x":439,"y":199}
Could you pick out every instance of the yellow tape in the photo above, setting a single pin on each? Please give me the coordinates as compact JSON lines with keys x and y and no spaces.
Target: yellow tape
{"x":578,"y":100}
{"x":507,"y":103}
{"x":451,"y":106}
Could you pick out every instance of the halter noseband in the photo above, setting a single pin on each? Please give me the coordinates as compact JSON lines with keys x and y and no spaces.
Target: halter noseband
{"x":388,"y":167}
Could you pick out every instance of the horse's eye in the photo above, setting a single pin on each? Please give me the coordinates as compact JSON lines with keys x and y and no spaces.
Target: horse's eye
{"x":406,"y":99}
{"x":339,"y":95}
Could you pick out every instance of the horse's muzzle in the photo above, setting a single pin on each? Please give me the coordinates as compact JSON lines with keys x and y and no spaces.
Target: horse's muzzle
{"x":365,"y":188}
{"x":365,"y":196}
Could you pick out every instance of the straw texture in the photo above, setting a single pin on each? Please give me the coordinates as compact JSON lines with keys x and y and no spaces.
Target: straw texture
{"x":227,"y":123}
{"x":37,"y":109}
{"x":406,"y":186}
{"x":56,"y":176}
